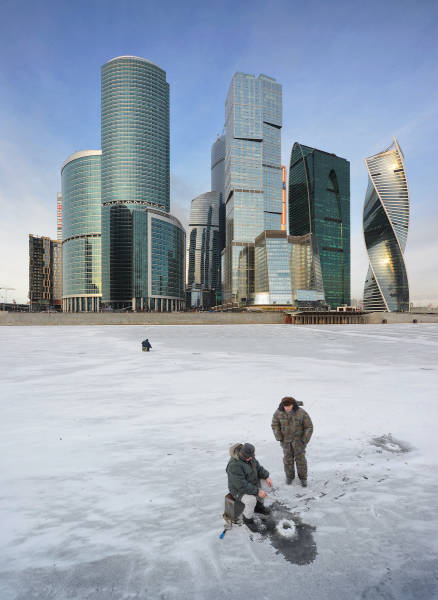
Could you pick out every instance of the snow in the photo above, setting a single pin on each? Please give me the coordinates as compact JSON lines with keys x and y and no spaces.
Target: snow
{"x":112,"y":471}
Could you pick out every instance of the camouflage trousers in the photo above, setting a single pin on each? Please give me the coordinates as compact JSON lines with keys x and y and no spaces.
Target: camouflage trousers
{"x":294,"y":453}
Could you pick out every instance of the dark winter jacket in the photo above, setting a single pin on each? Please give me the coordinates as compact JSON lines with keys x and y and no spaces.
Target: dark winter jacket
{"x":146,"y":344}
{"x":243,"y":477}
{"x":295,"y":426}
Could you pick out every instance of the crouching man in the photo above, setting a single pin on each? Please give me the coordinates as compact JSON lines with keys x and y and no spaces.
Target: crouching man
{"x":246,"y":480}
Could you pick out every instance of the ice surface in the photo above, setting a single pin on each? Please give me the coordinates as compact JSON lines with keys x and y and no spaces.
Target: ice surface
{"x":112,"y":471}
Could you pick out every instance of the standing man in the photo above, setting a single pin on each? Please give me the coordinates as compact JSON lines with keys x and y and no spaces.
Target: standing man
{"x":246,"y":477}
{"x":293,"y":428}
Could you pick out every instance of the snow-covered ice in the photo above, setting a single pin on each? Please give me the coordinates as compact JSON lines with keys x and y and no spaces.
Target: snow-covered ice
{"x":112,"y":471}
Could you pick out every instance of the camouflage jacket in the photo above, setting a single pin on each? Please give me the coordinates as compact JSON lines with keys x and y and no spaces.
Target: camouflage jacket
{"x":295,"y":426}
{"x":243,"y":477}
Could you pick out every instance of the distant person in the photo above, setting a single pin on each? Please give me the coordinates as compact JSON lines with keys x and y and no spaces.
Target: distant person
{"x":146,"y":346}
{"x":293,"y":428}
{"x":246,"y":478}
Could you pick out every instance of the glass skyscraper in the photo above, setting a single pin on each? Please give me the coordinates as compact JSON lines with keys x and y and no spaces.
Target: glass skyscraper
{"x":253,"y":182}
{"x":218,"y":185}
{"x":138,"y":270}
{"x":203,"y":251}
{"x":288,"y":270}
{"x":385,"y":227}
{"x":319,"y":203}
{"x":81,"y":231}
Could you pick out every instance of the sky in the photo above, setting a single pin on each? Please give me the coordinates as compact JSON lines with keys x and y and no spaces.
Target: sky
{"x":354,"y":74}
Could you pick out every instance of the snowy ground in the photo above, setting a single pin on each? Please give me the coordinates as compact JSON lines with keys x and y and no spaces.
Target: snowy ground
{"x":112,"y":475}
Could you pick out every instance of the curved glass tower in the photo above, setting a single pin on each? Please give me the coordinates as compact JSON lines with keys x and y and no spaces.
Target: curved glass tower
{"x":385,"y":228}
{"x":203,"y":253}
{"x":319,"y":203}
{"x":139,"y":270}
{"x":81,"y":231}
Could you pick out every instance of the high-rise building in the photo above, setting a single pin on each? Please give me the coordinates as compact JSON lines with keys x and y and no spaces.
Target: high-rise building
{"x":45,"y":273}
{"x":81,"y":195}
{"x":218,"y":183}
{"x":253,"y":183}
{"x":59,"y":217}
{"x":143,"y":246}
{"x":385,"y":228}
{"x":319,"y":203}
{"x":288,"y":270}
{"x":283,"y":199}
{"x":203,"y":251}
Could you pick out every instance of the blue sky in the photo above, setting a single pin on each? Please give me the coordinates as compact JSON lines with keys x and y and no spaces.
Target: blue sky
{"x":354,"y":74}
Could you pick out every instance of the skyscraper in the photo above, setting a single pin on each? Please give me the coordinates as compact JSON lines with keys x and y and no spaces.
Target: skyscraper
{"x":142,"y":245}
{"x":203,"y":256}
{"x":81,"y":193}
{"x":218,"y":184}
{"x":59,"y":217}
{"x":288,"y":270}
{"x":45,"y":273}
{"x":319,"y":203}
{"x":253,"y":181}
{"x":385,"y":228}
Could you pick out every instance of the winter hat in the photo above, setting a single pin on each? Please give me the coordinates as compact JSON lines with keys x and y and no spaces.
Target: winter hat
{"x":247,"y":450}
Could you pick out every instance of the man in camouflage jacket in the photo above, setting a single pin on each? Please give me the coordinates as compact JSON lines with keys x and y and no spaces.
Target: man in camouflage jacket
{"x":246,"y":480}
{"x":293,"y":428}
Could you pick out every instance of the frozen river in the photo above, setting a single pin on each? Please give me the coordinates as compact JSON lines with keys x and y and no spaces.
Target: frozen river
{"x":112,"y":470}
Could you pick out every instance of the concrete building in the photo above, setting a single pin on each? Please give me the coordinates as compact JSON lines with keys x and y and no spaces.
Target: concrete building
{"x":45,"y":273}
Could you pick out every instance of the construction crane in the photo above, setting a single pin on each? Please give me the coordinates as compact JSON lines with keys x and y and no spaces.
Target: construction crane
{"x":6,"y":292}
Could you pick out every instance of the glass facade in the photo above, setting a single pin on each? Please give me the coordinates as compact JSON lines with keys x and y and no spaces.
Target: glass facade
{"x":203,"y":252}
{"x":253,"y":184}
{"x":81,"y":230}
{"x":218,"y":185}
{"x":135,"y":183}
{"x":167,"y":243}
{"x":319,"y":203}
{"x":385,"y":227}
{"x":287,"y":270}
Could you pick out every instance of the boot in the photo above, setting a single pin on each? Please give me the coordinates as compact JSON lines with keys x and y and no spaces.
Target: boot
{"x":262,"y":509}
{"x":250,"y":523}
{"x":303,"y":482}
{"x":289,"y":480}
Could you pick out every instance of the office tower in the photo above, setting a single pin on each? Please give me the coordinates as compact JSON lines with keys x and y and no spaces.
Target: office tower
{"x":319,"y":203}
{"x":142,"y":244}
{"x":385,"y":228}
{"x":81,"y":196}
{"x":288,"y":270}
{"x":203,"y":255}
{"x":253,"y":182}
{"x":218,"y":183}
{"x":59,"y":217}
{"x":283,"y":199}
{"x":45,"y":273}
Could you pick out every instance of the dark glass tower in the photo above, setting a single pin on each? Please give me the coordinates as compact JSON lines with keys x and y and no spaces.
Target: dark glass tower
{"x":203,"y":252}
{"x":142,"y":254}
{"x":319,"y":203}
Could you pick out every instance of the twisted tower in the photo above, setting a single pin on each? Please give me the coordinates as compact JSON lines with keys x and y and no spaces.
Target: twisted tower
{"x":385,"y":228}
